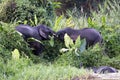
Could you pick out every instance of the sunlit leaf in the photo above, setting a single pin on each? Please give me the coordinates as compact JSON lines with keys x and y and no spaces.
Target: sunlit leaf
{"x":32,"y":22}
{"x":96,"y":47}
{"x":63,"y":50}
{"x":36,"y":20}
{"x":77,"y":42}
{"x":15,"y":54}
{"x":68,"y":41}
{"x":103,"y":20}
{"x":57,"y":4}
{"x":76,"y":52}
{"x":69,"y":22}
{"x":57,"y":22}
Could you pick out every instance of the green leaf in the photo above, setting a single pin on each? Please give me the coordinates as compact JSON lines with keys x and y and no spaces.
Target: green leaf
{"x":36,"y":20}
{"x":32,"y":22}
{"x":15,"y":54}
{"x":76,"y":52}
{"x":68,"y":41}
{"x":1,"y":28}
{"x":83,"y":45}
{"x":51,"y":41}
{"x":58,"y":21}
{"x":25,"y":22}
{"x":77,"y":42}
{"x":103,"y":20}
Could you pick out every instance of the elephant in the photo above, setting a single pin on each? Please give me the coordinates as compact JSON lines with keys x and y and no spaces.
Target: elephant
{"x":40,"y":32}
{"x":91,"y":35}
{"x":37,"y":47}
{"x":104,"y":69}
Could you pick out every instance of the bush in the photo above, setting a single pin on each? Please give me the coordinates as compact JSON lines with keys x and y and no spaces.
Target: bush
{"x":24,"y":11}
{"x":112,"y":47}
{"x":10,"y":40}
{"x":88,"y":58}
{"x":107,"y":22}
{"x":114,"y":62}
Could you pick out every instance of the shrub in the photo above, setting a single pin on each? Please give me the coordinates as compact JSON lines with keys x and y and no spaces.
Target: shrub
{"x":106,"y":21}
{"x":10,"y":40}
{"x":114,"y":62}
{"x":25,"y":10}
{"x":12,"y":67}
{"x":87,"y":58}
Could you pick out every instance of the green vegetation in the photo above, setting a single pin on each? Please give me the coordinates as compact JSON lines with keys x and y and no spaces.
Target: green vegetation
{"x":59,"y":60}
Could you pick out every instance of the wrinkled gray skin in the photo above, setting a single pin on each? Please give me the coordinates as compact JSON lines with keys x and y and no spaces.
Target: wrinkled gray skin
{"x":91,"y":35}
{"x":40,"y":32}
{"x":104,"y":69}
{"x":37,"y":47}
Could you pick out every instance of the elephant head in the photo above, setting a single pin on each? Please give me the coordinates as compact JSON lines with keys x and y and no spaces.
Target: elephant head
{"x":45,"y":32}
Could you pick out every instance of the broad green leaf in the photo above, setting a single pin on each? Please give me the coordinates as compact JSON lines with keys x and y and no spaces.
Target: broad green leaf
{"x":103,"y":20}
{"x":25,"y":22}
{"x":83,"y":45}
{"x":15,"y":54}
{"x":68,"y":41}
{"x":78,"y":42}
{"x":51,"y":41}
{"x":76,"y":52}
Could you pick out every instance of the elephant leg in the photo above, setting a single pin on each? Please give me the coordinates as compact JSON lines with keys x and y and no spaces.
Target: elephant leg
{"x":37,"y":47}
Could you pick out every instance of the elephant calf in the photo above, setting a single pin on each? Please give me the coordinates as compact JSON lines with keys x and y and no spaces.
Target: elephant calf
{"x":91,"y":35}
{"x":40,"y":32}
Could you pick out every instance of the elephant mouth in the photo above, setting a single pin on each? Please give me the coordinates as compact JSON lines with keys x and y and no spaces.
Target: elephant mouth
{"x":54,"y":34}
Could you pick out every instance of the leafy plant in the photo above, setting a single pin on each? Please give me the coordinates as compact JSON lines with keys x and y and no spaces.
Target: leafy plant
{"x":79,"y":45}
{"x":10,"y":40}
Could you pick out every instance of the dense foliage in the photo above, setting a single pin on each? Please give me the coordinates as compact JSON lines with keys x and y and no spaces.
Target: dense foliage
{"x":15,"y":52}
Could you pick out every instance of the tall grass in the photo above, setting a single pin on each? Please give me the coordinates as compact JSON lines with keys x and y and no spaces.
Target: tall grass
{"x":23,"y":69}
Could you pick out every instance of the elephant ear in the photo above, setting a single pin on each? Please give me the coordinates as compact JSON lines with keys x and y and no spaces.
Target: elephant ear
{"x":42,"y":33}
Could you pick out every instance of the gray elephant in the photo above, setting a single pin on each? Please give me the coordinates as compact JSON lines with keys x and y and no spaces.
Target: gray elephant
{"x":91,"y":35}
{"x":40,"y":32}
{"x":37,"y":47}
{"x":104,"y":69}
